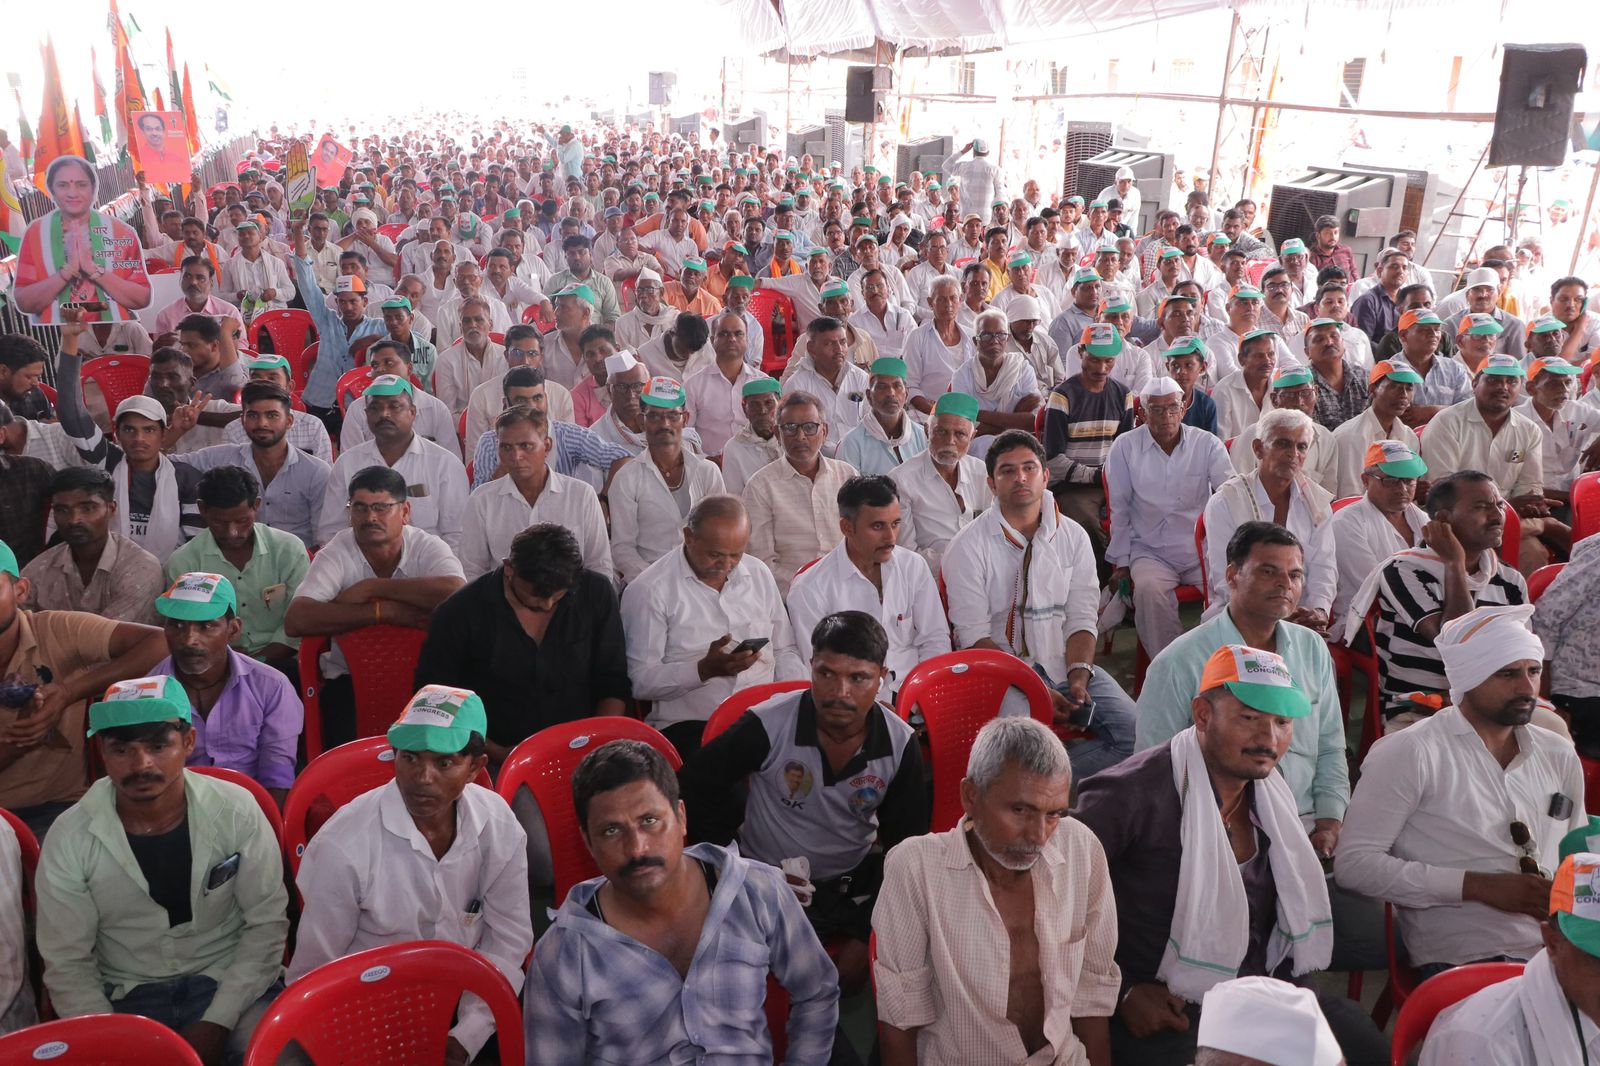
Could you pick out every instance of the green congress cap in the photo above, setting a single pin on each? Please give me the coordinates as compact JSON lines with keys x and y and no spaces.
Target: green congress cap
{"x":832,"y":289}
{"x":760,"y":387}
{"x":1502,"y":365}
{"x":1253,"y":334}
{"x":139,"y":701}
{"x":1019,"y":259}
{"x":1101,"y":340}
{"x":395,"y":303}
{"x":1334,"y":322}
{"x":1292,"y":246}
{"x":1190,"y":345}
{"x":1394,"y":459}
{"x":582,"y":292}
{"x":663,"y":392}
{"x":742,"y":281}
{"x":1395,"y":370}
{"x":1575,"y":900}
{"x":887,"y":367}
{"x":957,"y":403}
{"x":1583,"y":838}
{"x":1290,"y":376}
{"x":8,"y":561}
{"x":390,"y":385}
{"x":439,"y":719}
{"x":269,"y":362}
{"x":198,"y":597}
{"x":1479,"y":326}
{"x":1258,"y":679}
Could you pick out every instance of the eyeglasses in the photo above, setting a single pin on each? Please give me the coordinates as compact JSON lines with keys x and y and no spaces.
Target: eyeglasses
{"x":628,"y":386}
{"x":377,"y":509}
{"x":793,"y":429}
{"x":1528,"y":861}
{"x":992,"y":335}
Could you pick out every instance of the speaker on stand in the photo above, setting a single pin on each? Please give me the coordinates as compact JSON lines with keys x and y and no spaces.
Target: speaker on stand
{"x":1533,"y":115}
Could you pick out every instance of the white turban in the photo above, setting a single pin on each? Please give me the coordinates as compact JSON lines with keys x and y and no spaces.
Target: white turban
{"x":1023,"y":309}
{"x":1158,"y":387}
{"x":1483,"y":641}
{"x":1268,"y":1020}
{"x":364,"y":213}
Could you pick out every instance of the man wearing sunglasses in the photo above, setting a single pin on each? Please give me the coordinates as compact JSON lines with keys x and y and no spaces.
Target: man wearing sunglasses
{"x":1458,"y":820}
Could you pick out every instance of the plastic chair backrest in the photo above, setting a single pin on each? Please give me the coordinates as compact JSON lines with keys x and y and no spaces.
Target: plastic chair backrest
{"x":99,"y":1040}
{"x":1200,"y":550}
{"x":1511,"y":537}
{"x":331,"y":780}
{"x":1341,"y":504}
{"x":258,"y":792}
{"x":381,"y":660}
{"x":730,"y":709}
{"x":392,"y":230}
{"x":461,"y":428}
{"x":1586,"y":506}
{"x":625,"y":292}
{"x":293,"y":331}
{"x":1432,"y":996}
{"x":49,"y":392}
{"x":29,"y":846}
{"x":351,"y":383}
{"x":1540,"y":580}
{"x":303,"y":363}
{"x":117,"y":376}
{"x":388,"y":1004}
{"x":780,"y":338}
{"x":958,"y":692}
{"x":545,"y":763}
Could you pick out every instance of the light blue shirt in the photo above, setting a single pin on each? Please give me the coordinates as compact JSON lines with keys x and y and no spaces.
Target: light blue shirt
{"x":293,"y":501}
{"x":871,"y":454}
{"x":1315,"y":767}
{"x":333,"y":351}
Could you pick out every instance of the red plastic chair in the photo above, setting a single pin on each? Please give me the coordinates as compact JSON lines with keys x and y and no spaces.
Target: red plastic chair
{"x":331,"y":780}
{"x":390,"y":1004}
{"x":461,"y":429}
{"x":293,"y":331}
{"x":729,"y":711}
{"x":351,"y":383}
{"x":780,"y":328}
{"x":302,"y":365}
{"x":117,"y":376}
{"x":1200,"y":550}
{"x":159,"y":266}
{"x":392,"y":230}
{"x":258,"y":792}
{"x":1540,"y":580}
{"x":1511,"y":538}
{"x":1438,"y":992}
{"x":99,"y":1040}
{"x":29,"y":845}
{"x":1341,"y":504}
{"x":544,"y":763}
{"x":625,"y":292}
{"x":381,"y":659}
{"x":958,"y":692}
{"x":49,"y":393}
{"x":534,"y":315}
{"x":1586,"y":506}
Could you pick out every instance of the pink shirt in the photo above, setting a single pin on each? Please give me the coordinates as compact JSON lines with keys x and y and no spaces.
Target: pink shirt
{"x":175,"y":312}
{"x":586,"y":406}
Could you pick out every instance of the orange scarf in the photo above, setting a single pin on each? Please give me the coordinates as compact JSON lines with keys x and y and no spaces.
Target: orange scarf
{"x":181,"y":252}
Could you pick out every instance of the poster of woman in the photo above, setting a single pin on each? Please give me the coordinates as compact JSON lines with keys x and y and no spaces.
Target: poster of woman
{"x":76,"y":256}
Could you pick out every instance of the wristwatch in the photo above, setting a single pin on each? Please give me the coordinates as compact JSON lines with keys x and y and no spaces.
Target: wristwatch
{"x":1080,"y":666}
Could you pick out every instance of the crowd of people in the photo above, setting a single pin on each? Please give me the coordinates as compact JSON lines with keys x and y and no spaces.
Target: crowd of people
{"x":625,"y":425}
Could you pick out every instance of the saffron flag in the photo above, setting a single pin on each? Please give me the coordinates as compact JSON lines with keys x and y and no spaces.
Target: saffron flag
{"x":77,"y":132}
{"x":130,"y":90}
{"x":100,"y":110}
{"x":161,"y":105}
{"x":172,"y":76}
{"x":12,"y":223}
{"x":57,"y":136}
{"x":191,"y":122}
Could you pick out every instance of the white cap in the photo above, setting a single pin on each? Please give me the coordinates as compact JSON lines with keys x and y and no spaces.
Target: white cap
{"x":1483,"y":276}
{"x":1124,"y":173}
{"x":1268,"y":1020}
{"x":1022,"y":309}
{"x":148,"y":406}
{"x":647,"y":275}
{"x":620,"y":363}
{"x":1159,"y":386}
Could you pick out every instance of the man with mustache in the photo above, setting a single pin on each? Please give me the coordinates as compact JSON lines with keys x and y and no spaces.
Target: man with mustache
{"x":448,"y":853}
{"x":199,"y":275}
{"x":1213,"y":874}
{"x":667,"y":952}
{"x":195,"y":939}
{"x":868,"y":789}
{"x":995,"y":910}
{"x":1456,"y":568}
{"x":245,"y":714}
{"x":94,"y":568}
{"x":1458,"y":820}
{"x":687,"y":614}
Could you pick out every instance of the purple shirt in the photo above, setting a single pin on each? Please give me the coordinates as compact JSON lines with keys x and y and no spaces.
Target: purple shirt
{"x":254,"y":727}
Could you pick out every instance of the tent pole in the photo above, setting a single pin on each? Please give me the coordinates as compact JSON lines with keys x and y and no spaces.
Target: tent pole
{"x":1583,"y":224}
{"x":1222,"y":106}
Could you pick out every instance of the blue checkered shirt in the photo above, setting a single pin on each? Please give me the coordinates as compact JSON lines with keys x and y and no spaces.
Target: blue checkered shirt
{"x":575,"y":447}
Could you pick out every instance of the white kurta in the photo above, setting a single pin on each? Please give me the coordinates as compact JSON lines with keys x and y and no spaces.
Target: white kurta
{"x":931,"y":512}
{"x":646,"y":520}
{"x":435,"y":479}
{"x":497,"y":512}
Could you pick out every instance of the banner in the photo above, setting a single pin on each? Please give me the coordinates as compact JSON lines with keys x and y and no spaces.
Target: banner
{"x":160,"y":147}
{"x":298,"y":184}
{"x":76,"y":256}
{"x":329,"y":161}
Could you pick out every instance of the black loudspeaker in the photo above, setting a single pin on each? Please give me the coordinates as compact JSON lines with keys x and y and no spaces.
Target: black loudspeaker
{"x":1533,"y":117}
{"x":661,"y":85}
{"x":860,"y":101}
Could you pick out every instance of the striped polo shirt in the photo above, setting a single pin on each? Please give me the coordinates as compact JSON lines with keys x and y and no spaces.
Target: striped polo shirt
{"x":1080,"y":426}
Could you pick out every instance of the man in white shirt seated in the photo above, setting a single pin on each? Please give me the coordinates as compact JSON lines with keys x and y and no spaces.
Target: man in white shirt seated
{"x":258,"y":280}
{"x":868,"y":571}
{"x":1159,"y":478}
{"x":530,"y":493}
{"x":794,"y":518}
{"x":1551,"y":1011}
{"x":378,"y":569}
{"x":888,"y":435}
{"x":1383,"y":520}
{"x":826,"y":373}
{"x":1000,"y":379}
{"x":1457,"y":820}
{"x":1391,"y":385}
{"x":473,"y":358}
{"x":428,"y":856}
{"x":651,"y":496}
{"x":888,"y":324}
{"x":523,"y":347}
{"x":1046,"y":613}
{"x":435,"y":478}
{"x":713,"y":392}
{"x":703,"y":621}
{"x":756,"y":443}
{"x":1293,"y":390}
{"x":467,"y":281}
{"x":1242,"y":397}
{"x":435,"y":421}
{"x":944,"y":488}
{"x":1277,"y":491}
{"x":1023,"y":316}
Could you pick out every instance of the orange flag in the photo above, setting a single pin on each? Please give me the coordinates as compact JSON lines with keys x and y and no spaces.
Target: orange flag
{"x":130,"y":90}
{"x":160,"y":104}
{"x":57,"y":134}
{"x":191,"y":123}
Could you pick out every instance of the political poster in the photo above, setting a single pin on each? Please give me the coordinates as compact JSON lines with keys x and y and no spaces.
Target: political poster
{"x":160,"y":148}
{"x":299,"y":183}
{"x":329,"y":161}
{"x":76,"y":256}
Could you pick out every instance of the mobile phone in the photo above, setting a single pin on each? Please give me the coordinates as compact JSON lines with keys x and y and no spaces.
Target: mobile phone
{"x":750,"y":644}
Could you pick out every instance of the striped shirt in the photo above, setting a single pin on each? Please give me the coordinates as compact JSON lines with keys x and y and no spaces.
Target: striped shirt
{"x":1410,"y":590}
{"x":575,"y":446}
{"x":1080,"y":426}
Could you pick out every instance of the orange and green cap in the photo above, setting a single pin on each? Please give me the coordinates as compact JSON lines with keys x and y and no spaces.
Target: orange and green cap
{"x":1583,"y":838}
{"x":1190,"y":345}
{"x":1101,"y":340}
{"x":197,"y":597}
{"x":1394,"y":370}
{"x":8,"y":561}
{"x":269,"y":362}
{"x":1393,"y":458}
{"x":140,"y":701}
{"x":1478,"y":326}
{"x":1575,"y":900}
{"x":1552,"y":366}
{"x":663,"y":392}
{"x":1291,"y":376}
{"x":440,"y":719}
{"x":1419,"y":316}
{"x":1258,"y":679}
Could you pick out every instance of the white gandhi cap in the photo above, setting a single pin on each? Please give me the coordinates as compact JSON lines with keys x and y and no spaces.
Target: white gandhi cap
{"x":1272,"y":1021}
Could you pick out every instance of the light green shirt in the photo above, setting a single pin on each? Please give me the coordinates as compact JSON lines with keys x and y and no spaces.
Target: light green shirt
{"x":1314,"y":768}
{"x":99,"y":928}
{"x":264,"y":587}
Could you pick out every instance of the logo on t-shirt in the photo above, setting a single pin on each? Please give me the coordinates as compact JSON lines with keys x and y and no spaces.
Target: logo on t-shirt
{"x":866,"y":793}
{"x":797,"y":785}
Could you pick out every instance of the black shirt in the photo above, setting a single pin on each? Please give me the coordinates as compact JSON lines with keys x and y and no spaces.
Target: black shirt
{"x":164,"y":859}
{"x":476,"y":642}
